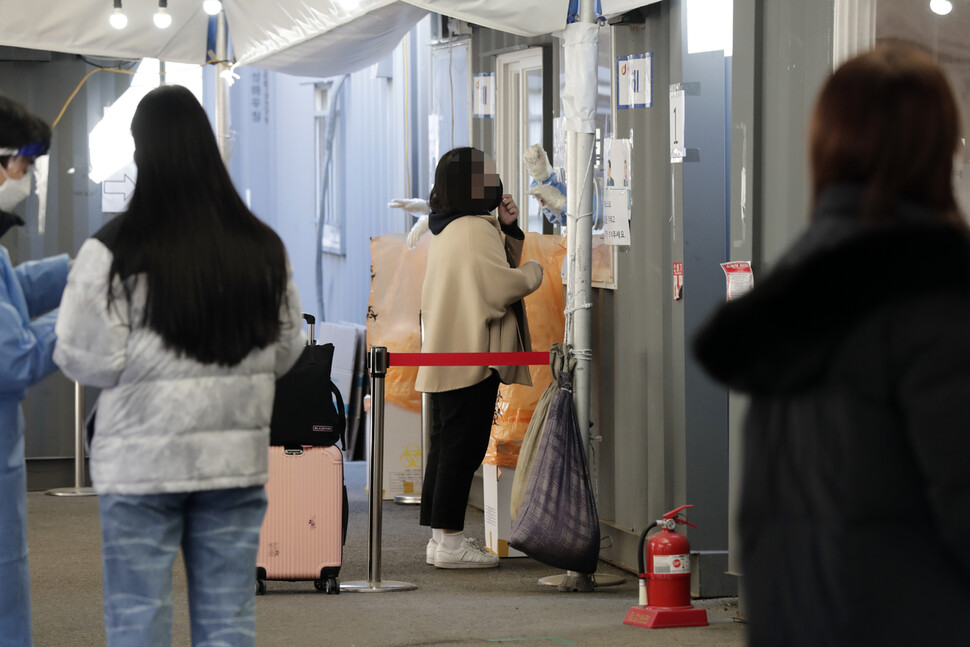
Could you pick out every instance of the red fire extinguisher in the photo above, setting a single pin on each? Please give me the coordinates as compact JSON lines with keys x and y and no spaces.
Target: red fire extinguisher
{"x":665,"y":578}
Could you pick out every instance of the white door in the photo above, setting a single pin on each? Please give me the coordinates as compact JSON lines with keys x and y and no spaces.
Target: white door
{"x":518,"y":125}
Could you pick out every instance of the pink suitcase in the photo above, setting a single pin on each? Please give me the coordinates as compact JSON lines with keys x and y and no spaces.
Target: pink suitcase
{"x":305,"y":524}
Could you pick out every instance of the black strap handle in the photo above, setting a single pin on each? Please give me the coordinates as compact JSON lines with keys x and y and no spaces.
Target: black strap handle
{"x":341,"y":412}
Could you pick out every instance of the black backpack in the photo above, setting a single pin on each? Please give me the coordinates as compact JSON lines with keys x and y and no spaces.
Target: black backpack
{"x":304,"y":412}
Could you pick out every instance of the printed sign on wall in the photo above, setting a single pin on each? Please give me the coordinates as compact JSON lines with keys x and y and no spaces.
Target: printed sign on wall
{"x":116,"y":189}
{"x":678,"y":281}
{"x":483,"y":93}
{"x":740,"y":280}
{"x":634,"y":81}
{"x":616,"y":218}
{"x":678,"y":149}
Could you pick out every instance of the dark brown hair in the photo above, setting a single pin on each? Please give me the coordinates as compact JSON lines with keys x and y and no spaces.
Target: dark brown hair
{"x":888,"y":120}
{"x":454,"y":179}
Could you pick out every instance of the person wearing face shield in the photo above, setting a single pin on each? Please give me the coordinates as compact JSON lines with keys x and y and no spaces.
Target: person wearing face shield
{"x":29,"y":296}
{"x":471,"y":301}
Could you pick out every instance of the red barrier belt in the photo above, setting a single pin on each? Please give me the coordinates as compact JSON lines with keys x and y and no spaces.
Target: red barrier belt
{"x":538,"y":358}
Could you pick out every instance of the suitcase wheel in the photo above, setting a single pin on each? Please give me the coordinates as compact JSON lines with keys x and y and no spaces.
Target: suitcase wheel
{"x":260,"y":587}
{"x":330,"y":585}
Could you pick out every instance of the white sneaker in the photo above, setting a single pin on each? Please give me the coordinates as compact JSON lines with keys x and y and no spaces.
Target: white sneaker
{"x":468,"y":555}
{"x":430,"y":551}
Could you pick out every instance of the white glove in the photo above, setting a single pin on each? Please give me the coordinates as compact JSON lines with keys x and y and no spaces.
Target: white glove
{"x":549,"y":196}
{"x":537,"y":163}
{"x":417,"y":231}
{"x":412,"y":205}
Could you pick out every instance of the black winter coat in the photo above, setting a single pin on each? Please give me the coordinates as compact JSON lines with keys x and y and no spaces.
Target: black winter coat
{"x":855,"y":505}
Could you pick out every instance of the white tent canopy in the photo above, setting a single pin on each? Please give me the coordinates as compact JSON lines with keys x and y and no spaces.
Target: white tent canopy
{"x":307,"y":37}
{"x":303,"y":37}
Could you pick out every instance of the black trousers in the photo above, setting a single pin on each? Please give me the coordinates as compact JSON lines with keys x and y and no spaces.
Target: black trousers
{"x":461,"y":425}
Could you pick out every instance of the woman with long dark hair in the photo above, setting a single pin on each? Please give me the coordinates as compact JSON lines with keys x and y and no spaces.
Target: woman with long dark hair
{"x":183,"y":311}
{"x":856,"y":355}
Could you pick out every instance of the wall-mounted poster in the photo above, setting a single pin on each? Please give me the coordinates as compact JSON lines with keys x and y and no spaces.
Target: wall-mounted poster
{"x":483,"y":95}
{"x":634,"y":81}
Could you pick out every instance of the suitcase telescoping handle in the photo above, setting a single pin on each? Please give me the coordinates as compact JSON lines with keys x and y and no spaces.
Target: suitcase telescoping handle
{"x":311,"y":339}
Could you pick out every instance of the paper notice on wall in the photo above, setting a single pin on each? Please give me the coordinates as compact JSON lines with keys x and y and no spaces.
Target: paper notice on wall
{"x":678,"y":150}
{"x":740,"y":280}
{"x":616,"y":216}
{"x":116,"y":189}
{"x":634,"y":81}
{"x":678,"y":281}
{"x":483,"y":96}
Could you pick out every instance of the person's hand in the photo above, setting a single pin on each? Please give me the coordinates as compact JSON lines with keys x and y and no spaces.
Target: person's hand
{"x":549,"y":196}
{"x":418,"y":230}
{"x":507,"y":211}
{"x":537,"y":163}
{"x":412,"y":205}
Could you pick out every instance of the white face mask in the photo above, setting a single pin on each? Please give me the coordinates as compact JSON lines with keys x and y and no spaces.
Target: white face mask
{"x":13,"y":192}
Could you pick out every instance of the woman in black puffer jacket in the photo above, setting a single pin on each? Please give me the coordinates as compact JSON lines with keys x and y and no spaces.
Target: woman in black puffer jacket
{"x":855,"y":350}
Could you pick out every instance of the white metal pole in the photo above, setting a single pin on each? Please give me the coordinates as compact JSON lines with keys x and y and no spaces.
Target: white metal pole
{"x":79,"y":489}
{"x":580,"y":213}
{"x":222,"y":88}
{"x":580,"y":140}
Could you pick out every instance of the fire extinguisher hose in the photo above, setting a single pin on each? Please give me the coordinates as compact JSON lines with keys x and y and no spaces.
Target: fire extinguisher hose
{"x":643,"y":539}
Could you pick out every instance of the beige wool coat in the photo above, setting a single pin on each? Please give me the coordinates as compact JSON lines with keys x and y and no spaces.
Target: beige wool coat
{"x":471,"y":302}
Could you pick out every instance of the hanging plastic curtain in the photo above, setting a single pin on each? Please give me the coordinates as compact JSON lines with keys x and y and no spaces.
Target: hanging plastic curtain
{"x":559,"y":360}
{"x":558,"y":524}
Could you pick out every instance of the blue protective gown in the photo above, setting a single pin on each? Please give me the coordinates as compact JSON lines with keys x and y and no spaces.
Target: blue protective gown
{"x":29,"y":295}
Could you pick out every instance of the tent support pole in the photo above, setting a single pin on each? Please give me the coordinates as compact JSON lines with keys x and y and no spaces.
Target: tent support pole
{"x":222,"y":89}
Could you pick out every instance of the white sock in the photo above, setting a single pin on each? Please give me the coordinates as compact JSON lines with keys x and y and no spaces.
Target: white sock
{"x":436,"y":535}
{"x":452,"y":540}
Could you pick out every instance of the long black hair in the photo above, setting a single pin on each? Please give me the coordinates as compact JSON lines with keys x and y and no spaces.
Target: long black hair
{"x":216,"y":275}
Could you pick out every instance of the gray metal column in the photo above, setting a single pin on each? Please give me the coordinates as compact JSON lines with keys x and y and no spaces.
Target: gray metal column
{"x":377,"y":365}
{"x":782,"y":55}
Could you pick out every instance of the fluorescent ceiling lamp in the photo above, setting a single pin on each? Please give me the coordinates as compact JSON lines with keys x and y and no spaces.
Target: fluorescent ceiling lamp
{"x":941,"y":7}
{"x":212,"y":7}
{"x":710,"y":26}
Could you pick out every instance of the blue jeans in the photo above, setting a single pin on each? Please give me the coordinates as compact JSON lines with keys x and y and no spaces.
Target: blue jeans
{"x":218,"y":531}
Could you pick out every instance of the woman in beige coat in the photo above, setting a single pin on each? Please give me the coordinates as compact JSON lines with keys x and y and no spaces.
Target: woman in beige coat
{"x":471,"y":302}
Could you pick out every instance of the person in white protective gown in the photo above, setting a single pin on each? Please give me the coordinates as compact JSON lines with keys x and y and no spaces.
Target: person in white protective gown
{"x":29,"y":296}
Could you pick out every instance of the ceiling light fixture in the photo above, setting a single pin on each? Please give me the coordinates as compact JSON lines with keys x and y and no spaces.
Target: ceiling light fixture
{"x":118,"y":19}
{"x":162,"y":18}
{"x":212,"y":7}
{"x":941,"y":7}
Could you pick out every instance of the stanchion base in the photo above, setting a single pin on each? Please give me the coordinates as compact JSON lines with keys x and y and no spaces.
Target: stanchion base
{"x":407,"y":499}
{"x":565,"y":582}
{"x":72,"y":491}
{"x":376,"y":587}
{"x":661,"y":617}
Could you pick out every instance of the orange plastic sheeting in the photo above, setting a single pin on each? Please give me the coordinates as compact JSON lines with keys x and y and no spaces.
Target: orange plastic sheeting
{"x":544,"y":310}
{"x":397,"y":274}
{"x":393,"y":311}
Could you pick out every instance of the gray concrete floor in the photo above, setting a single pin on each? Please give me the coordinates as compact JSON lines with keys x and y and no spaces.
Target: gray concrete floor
{"x":505,"y":605}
